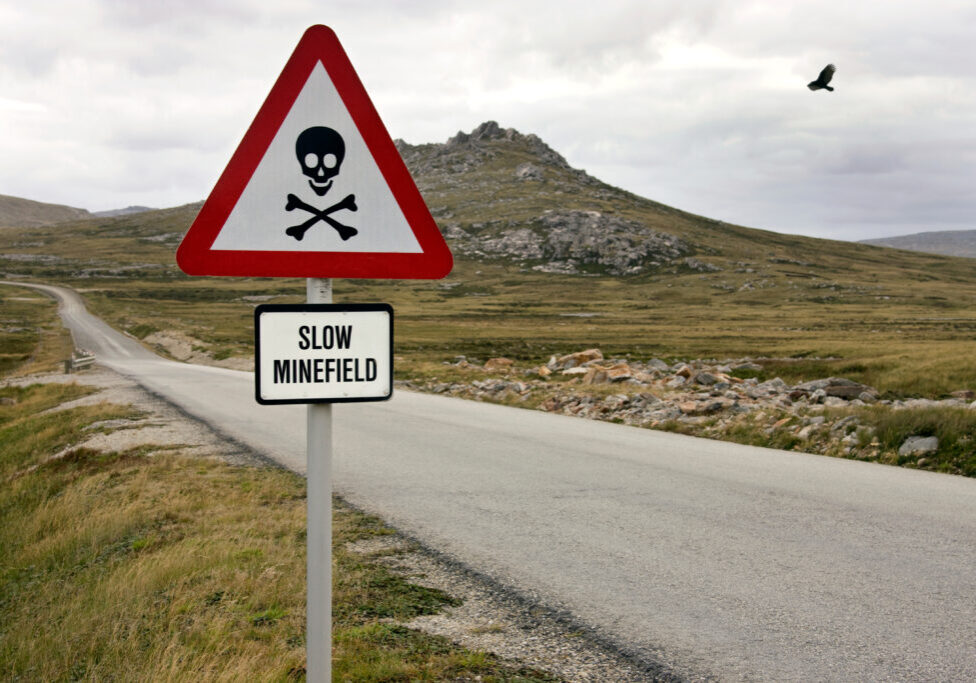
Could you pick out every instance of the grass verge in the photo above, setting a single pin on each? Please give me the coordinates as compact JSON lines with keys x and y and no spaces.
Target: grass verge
{"x":31,"y":336}
{"x":146,"y":564}
{"x":140,"y":565}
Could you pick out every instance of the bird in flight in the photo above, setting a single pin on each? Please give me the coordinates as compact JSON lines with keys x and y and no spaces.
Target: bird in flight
{"x":823,"y":79}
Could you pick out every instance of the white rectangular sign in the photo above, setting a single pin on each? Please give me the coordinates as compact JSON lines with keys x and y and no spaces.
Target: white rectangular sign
{"x":323,"y":353}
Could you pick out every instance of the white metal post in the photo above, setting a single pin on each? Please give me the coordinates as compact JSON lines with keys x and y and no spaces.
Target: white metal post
{"x":318,"y":581}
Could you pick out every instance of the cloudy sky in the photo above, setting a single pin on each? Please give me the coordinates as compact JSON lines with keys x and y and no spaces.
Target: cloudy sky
{"x":700,"y":105}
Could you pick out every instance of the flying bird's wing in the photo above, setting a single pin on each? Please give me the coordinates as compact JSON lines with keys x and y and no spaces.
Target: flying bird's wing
{"x":826,"y":74}
{"x":823,"y":79}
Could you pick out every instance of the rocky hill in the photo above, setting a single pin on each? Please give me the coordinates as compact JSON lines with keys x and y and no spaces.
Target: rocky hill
{"x":500,"y":194}
{"x":948,"y":242}
{"x":16,"y":211}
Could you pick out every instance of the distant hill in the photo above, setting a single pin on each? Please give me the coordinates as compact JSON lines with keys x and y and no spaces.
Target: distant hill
{"x":947,"y":242}
{"x":19,"y":212}
{"x":127,"y":211}
{"x":500,"y":195}
{"x":507,"y":199}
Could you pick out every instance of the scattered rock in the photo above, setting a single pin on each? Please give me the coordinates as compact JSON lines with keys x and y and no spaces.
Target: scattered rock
{"x":699,"y":392}
{"x":528,"y":171}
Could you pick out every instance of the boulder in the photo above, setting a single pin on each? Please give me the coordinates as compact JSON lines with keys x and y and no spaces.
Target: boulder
{"x":919,"y":445}
{"x":807,"y":432}
{"x":773,"y":386}
{"x":595,"y":375}
{"x":551,"y":404}
{"x":658,"y":364}
{"x":705,"y":378}
{"x":708,"y":407}
{"x":619,"y":373}
{"x":498,"y":364}
{"x":845,"y":388}
{"x":616,"y":402}
{"x":572,"y":360}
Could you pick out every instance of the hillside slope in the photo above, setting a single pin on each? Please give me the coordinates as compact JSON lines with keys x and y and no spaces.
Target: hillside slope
{"x":16,"y":211}
{"x":948,"y":242}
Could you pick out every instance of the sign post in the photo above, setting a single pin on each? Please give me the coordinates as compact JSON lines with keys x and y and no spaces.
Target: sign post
{"x":317,"y":189}
{"x":318,"y":477}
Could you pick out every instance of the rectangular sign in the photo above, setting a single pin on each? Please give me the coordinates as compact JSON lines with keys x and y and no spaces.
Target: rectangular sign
{"x":323,"y":353}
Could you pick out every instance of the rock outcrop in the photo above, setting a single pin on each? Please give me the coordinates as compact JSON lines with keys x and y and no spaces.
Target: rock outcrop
{"x":568,"y":240}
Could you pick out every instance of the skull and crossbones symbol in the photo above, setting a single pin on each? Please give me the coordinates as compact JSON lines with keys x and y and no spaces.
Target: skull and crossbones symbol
{"x":320,"y":152}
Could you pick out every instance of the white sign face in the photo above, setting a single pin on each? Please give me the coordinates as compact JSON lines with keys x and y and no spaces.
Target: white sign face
{"x":280,"y":194}
{"x":323,"y":353}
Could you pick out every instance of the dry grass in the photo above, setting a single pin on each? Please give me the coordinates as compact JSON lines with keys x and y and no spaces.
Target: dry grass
{"x":151,"y":565}
{"x":32,"y":339}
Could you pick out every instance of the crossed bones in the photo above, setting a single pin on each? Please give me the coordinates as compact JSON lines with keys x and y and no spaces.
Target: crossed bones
{"x":298,"y":231}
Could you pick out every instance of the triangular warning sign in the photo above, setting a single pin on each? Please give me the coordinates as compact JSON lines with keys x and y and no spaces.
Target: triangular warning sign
{"x":316,"y":188}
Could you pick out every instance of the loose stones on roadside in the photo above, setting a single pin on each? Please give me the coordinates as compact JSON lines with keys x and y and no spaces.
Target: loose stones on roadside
{"x":702,"y":393}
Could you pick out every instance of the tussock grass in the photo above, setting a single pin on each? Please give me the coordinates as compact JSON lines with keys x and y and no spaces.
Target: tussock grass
{"x":127,"y":567}
{"x":954,"y":427}
{"x":150,"y":565}
{"x":122,"y":566}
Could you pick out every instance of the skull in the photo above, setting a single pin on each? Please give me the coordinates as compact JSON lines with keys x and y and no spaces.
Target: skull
{"x":320,"y":151}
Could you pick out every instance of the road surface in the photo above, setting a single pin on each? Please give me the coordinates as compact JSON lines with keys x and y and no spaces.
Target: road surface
{"x":712,"y":560}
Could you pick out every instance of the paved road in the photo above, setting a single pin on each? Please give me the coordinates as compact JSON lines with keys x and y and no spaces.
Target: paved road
{"x":712,"y":559}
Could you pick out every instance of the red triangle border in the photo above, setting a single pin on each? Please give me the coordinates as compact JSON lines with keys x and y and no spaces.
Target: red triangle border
{"x":194,"y":255}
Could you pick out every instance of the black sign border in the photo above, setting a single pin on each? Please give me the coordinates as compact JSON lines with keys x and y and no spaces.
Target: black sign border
{"x":314,"y":308}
